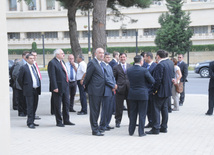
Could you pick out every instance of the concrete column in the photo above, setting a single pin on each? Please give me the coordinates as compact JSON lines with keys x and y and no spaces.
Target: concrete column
{"x":43,"y":5}
{"x":18,"y":6}
{"x":57,"y":6}
{"x":37,"y":5}
{"x":24,"y":6}
{"x":60,"y":35}
{"x":4,"y":91}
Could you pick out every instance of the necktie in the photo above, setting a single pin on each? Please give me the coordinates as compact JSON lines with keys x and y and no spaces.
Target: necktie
{"x":65,"y":71}
{"x":102,"y":67}
{"x":71,"y":73}
{"x":40,"y":76}
{"x":124,"y":69}
{"x":148,"y":66}
{"x":36,"y":76}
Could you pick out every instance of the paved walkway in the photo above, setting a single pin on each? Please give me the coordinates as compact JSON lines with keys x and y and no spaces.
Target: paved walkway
{"x":190,"y":132}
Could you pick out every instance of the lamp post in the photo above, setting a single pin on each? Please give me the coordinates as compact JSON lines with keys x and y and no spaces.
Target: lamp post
{"x":136,"y":34}
{"x":89,"y":35}
{"x":43,"y":47}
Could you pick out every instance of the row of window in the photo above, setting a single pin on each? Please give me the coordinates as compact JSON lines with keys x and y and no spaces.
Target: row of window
{"x":50,"y":5}
{"x":109,"y":33}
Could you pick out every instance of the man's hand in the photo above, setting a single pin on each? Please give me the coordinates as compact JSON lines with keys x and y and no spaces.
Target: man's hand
{"x":81,"y":82}
{"x":56,"y":90}
{"x":115,"y":87}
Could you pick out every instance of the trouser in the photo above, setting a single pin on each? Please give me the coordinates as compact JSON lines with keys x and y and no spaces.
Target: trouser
{"x":15,"y":99}
{"x":211,"y":100}
{"x":22,"y":106}
{"x":83,"y":99}
{"x":175,"y":97}
{"x":72,"y":91}
{"x":182,"y":95}
{"x":150,"y":110}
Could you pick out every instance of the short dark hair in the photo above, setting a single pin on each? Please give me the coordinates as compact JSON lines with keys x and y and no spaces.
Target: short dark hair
{"x":107,"y":53}
{"x":149,"y":54}
{"x":28,"y":55}
{"x":161,"y":53}
{"x":142,"y":54}
{"x":115,"y":53}
{"x":123,"y":54}
{"x":181,"y":54}
{"x":25,"y":53}
{"x":137,"y":58}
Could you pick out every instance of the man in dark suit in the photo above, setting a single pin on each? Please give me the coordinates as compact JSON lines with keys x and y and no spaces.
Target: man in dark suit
{"x":184,"y":70}
{"x":94,"y":83}
{"x":211,"y":89}
{"x":115,"y":60}
{"x":143,"y":54}
{"x":150,"y":67}
{"x":31,"y":85}
{"x":123,"y":87}
{"x":107,"y":104}
{"x":59,"y":86}
{"x":22,"y":107}
{"x":139,"y":78}
{"x":162,"y":90}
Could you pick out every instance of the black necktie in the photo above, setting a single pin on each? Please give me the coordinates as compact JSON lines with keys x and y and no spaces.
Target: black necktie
{"x":36,"y":76}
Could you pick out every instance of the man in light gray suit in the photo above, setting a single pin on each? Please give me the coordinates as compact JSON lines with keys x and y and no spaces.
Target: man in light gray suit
{"x":94,"y":83}
{"x":22,"y":107}
{"x":107,"y":104}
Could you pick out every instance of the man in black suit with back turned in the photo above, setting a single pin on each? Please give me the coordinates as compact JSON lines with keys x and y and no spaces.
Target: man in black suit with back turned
{"x":211,"y":90}
{"x":184,"y":70}
{"x":150,"y":67}
{"x":59,"y":86}
{"x":31,"y":85}
{"x":139,"y":78}
{"x":162,"y":90}
{"x":123,"y":87}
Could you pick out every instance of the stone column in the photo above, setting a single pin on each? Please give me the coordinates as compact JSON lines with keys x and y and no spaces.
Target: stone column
{"x":43,"y":5}
{"x":4,"y":91}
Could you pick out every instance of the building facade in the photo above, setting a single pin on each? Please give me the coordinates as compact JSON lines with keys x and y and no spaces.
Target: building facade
{"x":28,"y":23}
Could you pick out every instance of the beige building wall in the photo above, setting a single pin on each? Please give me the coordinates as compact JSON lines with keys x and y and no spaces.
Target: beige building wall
{"x":4,"y":91}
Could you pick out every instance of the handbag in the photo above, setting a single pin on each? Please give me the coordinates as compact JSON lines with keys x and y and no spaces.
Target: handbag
{"x":179,"y":87}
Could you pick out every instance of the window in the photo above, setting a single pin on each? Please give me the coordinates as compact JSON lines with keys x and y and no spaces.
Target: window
{"x":129,"y":33}
{"x":33,"y":35}
{"x":13,"y":35}
{"x":149,"y":32}
{"x":51,"y":35}
{"x":85,"y":34}
{"x":200,"y":29}
{"x":212,"y":28}
{"x":199,"y":0}
{"x":12,"y":5}
{"x":112,"y":33}
{"x":50,"y":4}
{"x":32,"y":5}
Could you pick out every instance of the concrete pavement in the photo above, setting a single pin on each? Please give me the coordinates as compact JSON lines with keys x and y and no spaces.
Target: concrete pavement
{"x":189,"y":132}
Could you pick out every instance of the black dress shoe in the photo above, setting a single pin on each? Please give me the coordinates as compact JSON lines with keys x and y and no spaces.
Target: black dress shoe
{"x":117,"y":125}
{"x":35,"y":124}
{"x":163,"y":130}
{"x":22,"y":115}
{"x":208,"y":114}
{"x":97,"y":134}
{"x":102,"y":130}
{"x":154,"y":132}
{"x":72,"y":110}
{"x":131,"y":134}
{"x":109,"y":127}
{"x":15,"y":108}
{"x":142,"y":135}
{"x":148,"y":126}
{"x":37,"y":117}
{"x":60,"y":125}
{"x":31,"y":126}
{"x":82,"y":113}
{"x":69,"y":123}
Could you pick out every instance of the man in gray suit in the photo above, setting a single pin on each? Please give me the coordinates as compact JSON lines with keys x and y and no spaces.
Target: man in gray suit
{"x":107,"y":104}
{"x":22,"y":107}
{"x":94,"y":82}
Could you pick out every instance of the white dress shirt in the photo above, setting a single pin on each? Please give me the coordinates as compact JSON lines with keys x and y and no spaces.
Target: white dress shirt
{"x":32,"y":76}
{"x":81,"y":70}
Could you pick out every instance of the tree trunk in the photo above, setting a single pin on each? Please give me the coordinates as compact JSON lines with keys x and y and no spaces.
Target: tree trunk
{"x":99,"y":25}
{"x":75,"y":46}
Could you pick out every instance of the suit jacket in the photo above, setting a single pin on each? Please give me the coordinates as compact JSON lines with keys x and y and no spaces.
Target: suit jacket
{"x":184,"y":70}
{"x":121,"y":78}
{"x":163,"y":75}
{"x":94,"y":80}
{"x":15,"y":73}
{"x":211,"y":73}
{"x":151,"y":70}
{"x":110,"y":81}
{"x":25,"y":81}
{"x":57,"y":76}
{"x":139,"y":78}
{"x":113,"y":63}
{"x":144,"y":64}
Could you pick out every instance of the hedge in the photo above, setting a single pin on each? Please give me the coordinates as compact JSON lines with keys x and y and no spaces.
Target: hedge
{"x":194,"y":48}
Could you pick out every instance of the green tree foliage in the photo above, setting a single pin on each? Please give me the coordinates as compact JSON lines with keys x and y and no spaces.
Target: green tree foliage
{"x":175,"y":33}
{"x":34,"y":46}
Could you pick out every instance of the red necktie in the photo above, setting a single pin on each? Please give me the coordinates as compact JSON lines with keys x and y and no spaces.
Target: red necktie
{"x":40,"y":76}
{"x":65,"y":71}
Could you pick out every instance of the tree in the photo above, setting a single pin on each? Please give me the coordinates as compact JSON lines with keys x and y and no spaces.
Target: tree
{"x":175,"y":33}
{"x":34,"y":46}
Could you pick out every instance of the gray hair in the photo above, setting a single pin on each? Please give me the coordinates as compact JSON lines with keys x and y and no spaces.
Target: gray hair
{"x":57,"y":51}
{"x":81,"y":56}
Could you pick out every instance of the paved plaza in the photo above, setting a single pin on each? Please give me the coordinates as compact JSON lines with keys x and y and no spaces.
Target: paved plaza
{"x":190,"y":132}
